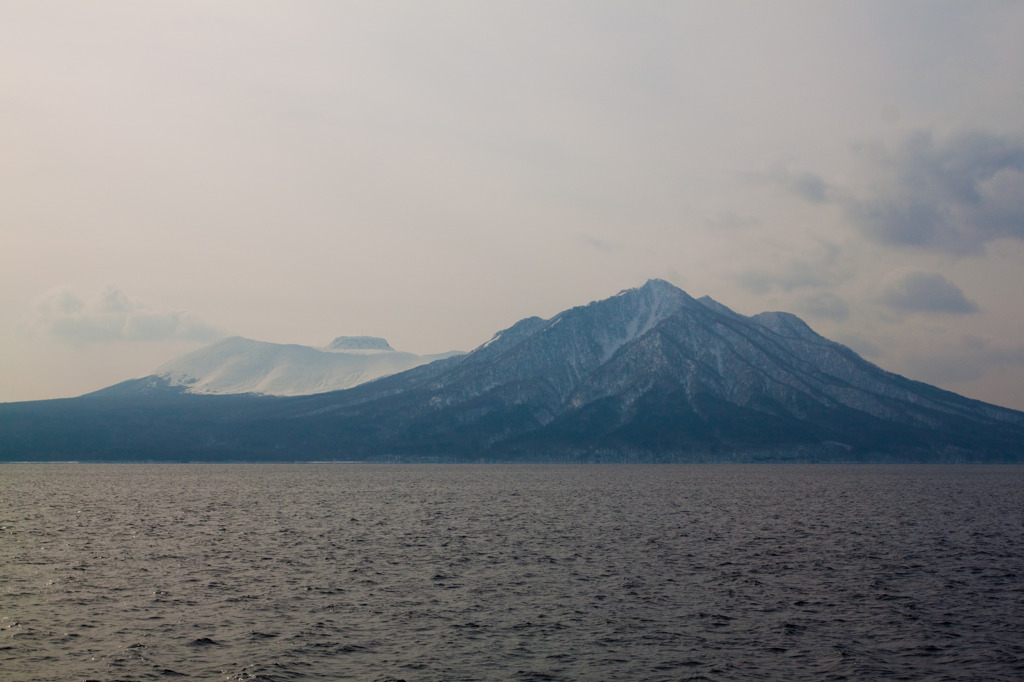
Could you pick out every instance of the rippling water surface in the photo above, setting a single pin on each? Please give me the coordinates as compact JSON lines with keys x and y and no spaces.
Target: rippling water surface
{"x":436,"y":572}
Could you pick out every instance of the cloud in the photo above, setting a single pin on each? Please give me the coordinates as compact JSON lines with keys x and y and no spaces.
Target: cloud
{"x":949,"y":194}
{"x":816,"y":270}
{"x":808,"y":186}
{"x":952,"y":195}
{"x":596,"y":243}
{"x":861,"y":344}
{"x":825,"y":304}
{"x":796,"y":275}
{"x":729,"y":221}
{"x":64,"y":316}
{"x":811,"y":187}
{"x":966,"y":359}
{"x":926,"y":292}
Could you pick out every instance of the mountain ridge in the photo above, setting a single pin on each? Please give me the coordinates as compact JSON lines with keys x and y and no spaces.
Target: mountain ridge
{"x":703,"y":374}
{"x":650,"y":374}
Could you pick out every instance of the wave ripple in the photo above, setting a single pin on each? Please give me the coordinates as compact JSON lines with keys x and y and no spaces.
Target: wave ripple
{"x":324,"y":572}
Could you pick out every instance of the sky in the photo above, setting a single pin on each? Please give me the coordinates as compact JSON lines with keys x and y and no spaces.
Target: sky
{"x":173,"y":172}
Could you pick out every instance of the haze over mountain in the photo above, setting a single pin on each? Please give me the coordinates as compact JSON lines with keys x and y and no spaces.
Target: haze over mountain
{"x":432,"y":179}
{"x":650,"y":374}
{"x":239,"y":365}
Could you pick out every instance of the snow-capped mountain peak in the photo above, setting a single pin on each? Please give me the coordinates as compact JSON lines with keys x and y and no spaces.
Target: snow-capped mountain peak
{"x":240,"y":365}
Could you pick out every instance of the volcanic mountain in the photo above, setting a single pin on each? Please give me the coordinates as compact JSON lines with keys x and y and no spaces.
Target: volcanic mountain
{"x":650,"y":374}
{"x":239,"y":365}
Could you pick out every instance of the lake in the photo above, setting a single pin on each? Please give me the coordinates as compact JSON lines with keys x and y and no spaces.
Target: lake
{"x":506,"y":572}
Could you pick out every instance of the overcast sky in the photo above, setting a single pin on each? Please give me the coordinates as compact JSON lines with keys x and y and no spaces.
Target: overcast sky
{"x":432,"y":172}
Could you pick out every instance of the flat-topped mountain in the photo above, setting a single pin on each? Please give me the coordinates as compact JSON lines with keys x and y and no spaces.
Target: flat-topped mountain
{"x":651,"y":374}
{"x":359,"y":343}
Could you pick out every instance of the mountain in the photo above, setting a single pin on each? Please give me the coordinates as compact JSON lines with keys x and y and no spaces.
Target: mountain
{"x":239,"y":365}
{"x":650,"y":374}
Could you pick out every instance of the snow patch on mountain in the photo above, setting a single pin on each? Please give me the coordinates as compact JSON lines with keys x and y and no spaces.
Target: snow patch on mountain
{"x":240,"y":365}
{"x":785,"y":324}
{"x":642,"y":310}
{"x":712,"y":304}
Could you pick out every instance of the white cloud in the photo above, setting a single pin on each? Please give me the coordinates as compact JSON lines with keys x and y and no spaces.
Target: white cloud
{"x":64,"y":316}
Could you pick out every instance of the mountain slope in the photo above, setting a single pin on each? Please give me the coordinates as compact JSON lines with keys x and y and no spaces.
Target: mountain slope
{"x":239,"y":365}
{"x":651,"y":374}
{"x":655,"y":372}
